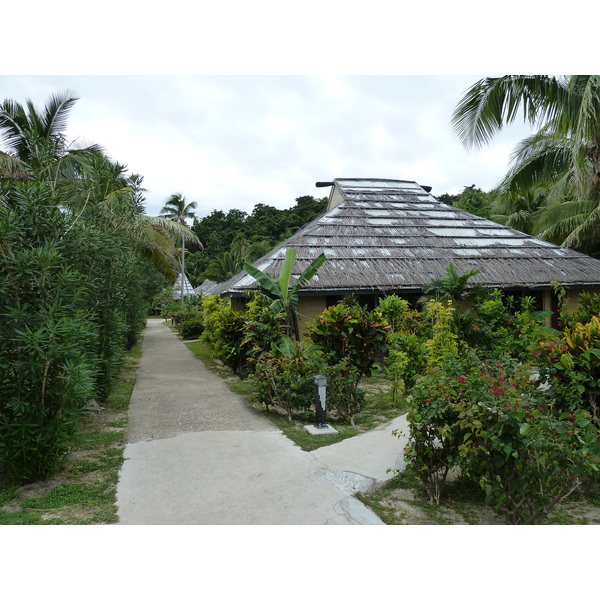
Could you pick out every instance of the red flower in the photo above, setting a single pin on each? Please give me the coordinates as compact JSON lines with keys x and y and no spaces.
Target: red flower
{"x":461,"y":379}
{"x":428,"y":401}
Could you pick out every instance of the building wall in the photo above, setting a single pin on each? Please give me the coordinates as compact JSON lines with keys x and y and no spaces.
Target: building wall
{"x":309,"y":308}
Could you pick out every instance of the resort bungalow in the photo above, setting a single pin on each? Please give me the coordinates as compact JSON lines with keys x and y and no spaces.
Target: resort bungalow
{"x":388,"y":236}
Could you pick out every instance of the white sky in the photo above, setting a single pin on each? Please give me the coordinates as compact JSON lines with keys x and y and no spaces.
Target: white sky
{"x":234,"y":141}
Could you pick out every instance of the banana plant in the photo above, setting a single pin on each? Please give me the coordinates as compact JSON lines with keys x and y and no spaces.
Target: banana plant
{"x":285,"y":299}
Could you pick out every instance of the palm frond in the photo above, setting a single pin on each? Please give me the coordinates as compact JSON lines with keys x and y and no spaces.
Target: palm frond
{"x":538,"y":161}
{"x":560,"y":219}
{"x":493,"y":102}
{"x":173,"y":228}
{"x":54,"y":119}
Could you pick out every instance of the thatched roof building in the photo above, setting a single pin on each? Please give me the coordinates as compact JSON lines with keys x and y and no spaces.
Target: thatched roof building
{"x":384,"y":236}
{"x":188,"y":289}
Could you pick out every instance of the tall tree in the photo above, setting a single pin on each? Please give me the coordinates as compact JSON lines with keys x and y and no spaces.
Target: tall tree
{"x":35,"y":140}
{"x":179,"y":210}
{"x":563,"y":156}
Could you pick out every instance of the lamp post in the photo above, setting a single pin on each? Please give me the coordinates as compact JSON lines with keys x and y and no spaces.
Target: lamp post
{"x":320,"y":402}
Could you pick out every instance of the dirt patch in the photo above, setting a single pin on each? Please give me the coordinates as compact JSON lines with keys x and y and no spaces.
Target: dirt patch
{"x":402,"y":501}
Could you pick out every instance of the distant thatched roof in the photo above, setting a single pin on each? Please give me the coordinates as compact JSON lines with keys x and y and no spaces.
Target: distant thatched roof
{"x":188,"y":289}
{"x":384,"y":236}
{"x":206,"y":287}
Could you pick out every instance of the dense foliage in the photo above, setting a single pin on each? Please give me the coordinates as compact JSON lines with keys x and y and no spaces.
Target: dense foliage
{"x":233,"y":238}
{"x":513,"y":408}
{"x":75,"y":285}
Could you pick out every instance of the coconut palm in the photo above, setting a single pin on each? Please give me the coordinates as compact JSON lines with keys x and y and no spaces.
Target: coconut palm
{"x":563,"y":156}
{"x":179,"y":210}
{"x":520,"y":211}
{"x":223,"y":267}
{"x":34,"y":140}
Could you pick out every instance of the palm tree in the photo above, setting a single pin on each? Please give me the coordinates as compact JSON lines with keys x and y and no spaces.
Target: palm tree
{"x":222,"y":267}
{"x":563,"y":156}
{"x":84,"y":181}
{"x":35,"y":139}
{"x":520,"y":211}
{"x":176,"y":209}
{"x":454,"y":287}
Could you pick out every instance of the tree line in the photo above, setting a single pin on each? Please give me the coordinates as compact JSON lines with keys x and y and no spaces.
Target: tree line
{"x":233,"y":238}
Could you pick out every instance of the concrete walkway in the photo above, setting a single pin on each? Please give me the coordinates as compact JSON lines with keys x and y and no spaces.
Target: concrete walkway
{"x":197,"y":454}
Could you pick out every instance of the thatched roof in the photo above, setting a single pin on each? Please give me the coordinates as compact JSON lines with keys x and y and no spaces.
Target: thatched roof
{"x":206,"y":287}
{"x":384,"y":236}
{"x":188,"y":289}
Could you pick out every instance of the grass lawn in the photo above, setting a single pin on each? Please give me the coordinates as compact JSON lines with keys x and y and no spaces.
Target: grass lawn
{"x":84,"y":493}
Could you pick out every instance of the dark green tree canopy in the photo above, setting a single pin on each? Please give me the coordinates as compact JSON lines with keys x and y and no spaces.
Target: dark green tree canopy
{"x":229,"y":232}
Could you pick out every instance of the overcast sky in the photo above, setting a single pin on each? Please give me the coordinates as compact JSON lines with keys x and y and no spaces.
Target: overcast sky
{"x":236,"y":141}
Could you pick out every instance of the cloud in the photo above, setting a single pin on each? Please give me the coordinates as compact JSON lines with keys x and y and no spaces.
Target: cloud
{"x":236,"y":141}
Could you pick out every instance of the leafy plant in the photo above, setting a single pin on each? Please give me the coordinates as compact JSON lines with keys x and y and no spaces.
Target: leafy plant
{"x":286,"y":298}
{"x":348,"y":331}
{"x":191,"y":328}
{"x":284,"y":380}
{"x":443,"y":344}
{"x":47,"y":368}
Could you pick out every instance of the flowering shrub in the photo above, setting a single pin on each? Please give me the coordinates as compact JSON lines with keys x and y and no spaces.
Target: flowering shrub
{"x":496,"y":424}
{"x":526,"y":456}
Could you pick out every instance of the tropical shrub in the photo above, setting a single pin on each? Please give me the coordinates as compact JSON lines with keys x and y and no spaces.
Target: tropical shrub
{"x":191,"y":328}
{"x":401,"y":318}
{"x":344,"y":397}
{"x":224,"y":332}
{"x":178,"y":316}
{"x":413,"y":346}
{"x":443,"y":344}
{"x":284,"y":380}
{"x":350,"y":332}
{"x":434,"y":435}
{"x":526,"y":455}
{"x":47,"y":338}
{"x":264,"y":327}
{"x":396,"y":364}
{"x":500,"y":328}
{"x":499,"y":427}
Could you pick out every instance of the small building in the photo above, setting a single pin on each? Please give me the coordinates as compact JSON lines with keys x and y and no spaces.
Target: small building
{"x":188,"y":289}
{"x":388,"y":236}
